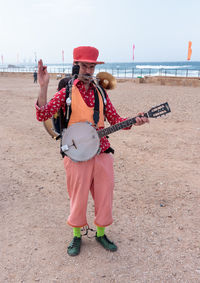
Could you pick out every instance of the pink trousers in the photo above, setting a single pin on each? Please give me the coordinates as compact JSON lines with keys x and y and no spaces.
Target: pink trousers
{"x":95,"y":175}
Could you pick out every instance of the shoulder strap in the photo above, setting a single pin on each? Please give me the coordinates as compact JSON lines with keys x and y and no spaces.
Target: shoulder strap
{"x":96,"y":107}
{"x":67,"y":104}
{"x":64,"y":117}
{"x":103,"y":95}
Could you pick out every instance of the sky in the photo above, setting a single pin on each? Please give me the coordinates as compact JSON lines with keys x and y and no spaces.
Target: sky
{"x":160,"y":29}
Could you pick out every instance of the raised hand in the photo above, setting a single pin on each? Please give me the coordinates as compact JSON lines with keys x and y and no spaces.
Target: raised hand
{"x":43,"y":75}
{"x":43,"y":79}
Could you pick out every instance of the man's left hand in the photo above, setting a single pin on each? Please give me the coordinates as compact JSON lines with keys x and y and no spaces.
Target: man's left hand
{"x":140,"y":119}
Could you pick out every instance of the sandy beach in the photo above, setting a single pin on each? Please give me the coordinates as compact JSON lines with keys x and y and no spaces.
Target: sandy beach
{"x":156,"y":199}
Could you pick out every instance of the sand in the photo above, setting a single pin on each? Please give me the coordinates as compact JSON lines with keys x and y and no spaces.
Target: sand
{"x":156,"y":199}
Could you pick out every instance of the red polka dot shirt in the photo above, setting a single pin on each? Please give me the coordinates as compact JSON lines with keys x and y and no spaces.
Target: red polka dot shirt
{"x":45,"y":112}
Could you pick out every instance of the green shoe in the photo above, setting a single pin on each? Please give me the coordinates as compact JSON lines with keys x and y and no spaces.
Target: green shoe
{"x":74,"y":247}
{"x":106,"y":243}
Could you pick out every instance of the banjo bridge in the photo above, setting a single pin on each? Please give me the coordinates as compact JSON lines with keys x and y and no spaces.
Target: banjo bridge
{"x":73,"y":143}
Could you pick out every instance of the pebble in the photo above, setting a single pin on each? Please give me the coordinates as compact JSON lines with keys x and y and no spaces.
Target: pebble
{"x":40,"y":188}
{"x":162,"y":205}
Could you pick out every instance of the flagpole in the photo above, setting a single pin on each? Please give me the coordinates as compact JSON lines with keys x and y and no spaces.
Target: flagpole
{"x":63,"y":59}
{"x":35,"y":55}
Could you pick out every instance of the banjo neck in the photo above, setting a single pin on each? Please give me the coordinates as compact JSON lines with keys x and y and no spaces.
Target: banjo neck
{"x":154,"y":112}
{"x":117,"y":127}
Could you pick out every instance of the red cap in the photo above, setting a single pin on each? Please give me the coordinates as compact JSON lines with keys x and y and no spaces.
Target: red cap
{"x":86,"y":54}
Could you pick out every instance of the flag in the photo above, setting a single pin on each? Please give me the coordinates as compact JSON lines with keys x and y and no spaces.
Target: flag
{"x":133,"y":50}
{"x":63,"y":56}
{"x":2,"y":59}
{"x":189,"y":50}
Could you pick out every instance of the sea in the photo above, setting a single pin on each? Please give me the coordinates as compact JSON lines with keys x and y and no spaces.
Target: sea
{"x":121,"y":70}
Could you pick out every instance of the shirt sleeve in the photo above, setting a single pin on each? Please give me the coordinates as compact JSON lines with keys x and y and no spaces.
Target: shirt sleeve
{"x":45,"y":112}
{"x":112,"y":115}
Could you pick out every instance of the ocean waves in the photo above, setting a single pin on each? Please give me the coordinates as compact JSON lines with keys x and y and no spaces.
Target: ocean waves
{"x":123,"y":69}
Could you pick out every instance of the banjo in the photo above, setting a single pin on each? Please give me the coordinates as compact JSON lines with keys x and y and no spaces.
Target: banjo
{"x":81,"y":141}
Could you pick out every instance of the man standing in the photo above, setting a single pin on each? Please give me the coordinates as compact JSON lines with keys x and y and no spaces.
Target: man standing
{"x":95,"y":175}
{"x":35,"y":77}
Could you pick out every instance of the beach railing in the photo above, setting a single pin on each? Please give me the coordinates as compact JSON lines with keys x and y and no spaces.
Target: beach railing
{"x":116,"y":72}
{"x":135,"y":72}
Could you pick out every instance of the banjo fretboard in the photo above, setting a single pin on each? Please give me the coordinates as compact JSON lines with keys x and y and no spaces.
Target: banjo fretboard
{"x":116,"y":127}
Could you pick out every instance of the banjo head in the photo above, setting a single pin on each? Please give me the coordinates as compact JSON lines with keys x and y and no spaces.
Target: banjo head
{"x":80,"y":142}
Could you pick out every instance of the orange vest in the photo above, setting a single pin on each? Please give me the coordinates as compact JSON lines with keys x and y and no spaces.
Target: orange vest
{"x":83,"y":113}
